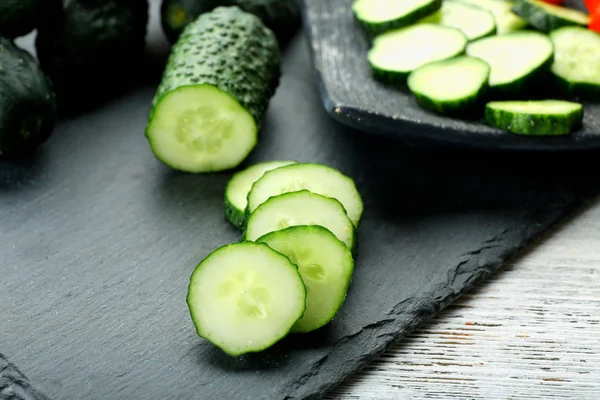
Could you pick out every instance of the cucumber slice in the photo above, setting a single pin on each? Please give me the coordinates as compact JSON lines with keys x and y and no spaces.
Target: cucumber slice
{"x":454,"y":86}
{"x":577,"y":60}
{"x":377,"y":16}
{"x":236,"y":193}
{"x":517,"y":59}
{"x":395,"y":54}
{"x":301,"y":208}
{"x":541,"y":117}
{"x":316,"y":178}
{"x":547,"y":17}
{"x":474,"y":22}
{"x":326,"y":267}
{"x":244,"y":297}
{"x":506,"y":20}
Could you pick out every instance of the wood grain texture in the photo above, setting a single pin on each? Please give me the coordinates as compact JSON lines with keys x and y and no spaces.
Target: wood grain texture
{"x":531,"y":332}
{"x":351,"y":95}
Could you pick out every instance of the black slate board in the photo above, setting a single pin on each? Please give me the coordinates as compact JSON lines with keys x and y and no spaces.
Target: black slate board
{"x":98,"y":241}
{"x":353,"y":97}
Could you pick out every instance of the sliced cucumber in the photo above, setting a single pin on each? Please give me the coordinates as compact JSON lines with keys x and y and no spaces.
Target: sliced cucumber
{"x":547,"y":17}
{"x":474,"y":22}
{"x":244,"y":297}
{"x":301,"y":208}
{"x":326,"y":267}
{"x":395,"y":54}
{"x":577,"y":60}
{"x":541,"y":117}
{"x":236,"y":193}
{"x":456,"y":86}
{"x":378,"y":16}
{"x":506,"y":20}
{"x":316,"y":178}
{"x":517,"y":59}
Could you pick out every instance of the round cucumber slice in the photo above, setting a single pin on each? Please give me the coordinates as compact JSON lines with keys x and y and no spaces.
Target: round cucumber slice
{"x":301,"y":208}
{"x":236,"y":193}
{"x":245,"y":297}
{"x":201,"y":129}
{"x":326,"y":266}
{"x":474,"y":22}
{"x":317,"y":178}
{"x":380,"y":15}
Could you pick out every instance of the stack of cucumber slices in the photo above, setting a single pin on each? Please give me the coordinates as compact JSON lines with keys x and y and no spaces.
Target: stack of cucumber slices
{"x":495,"y":60}
{"x":293,"y":267}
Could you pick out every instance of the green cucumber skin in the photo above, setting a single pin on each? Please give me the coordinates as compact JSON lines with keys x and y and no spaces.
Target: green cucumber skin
{"x":103,"y":39}
{"x":235,"y":216}
{"x":231,"y":50}
{"x":580,"y":90}
{"x":524,"y":125}
{"x":538,"y":18}
{"x":381,"y":27}
{"x":27,"y":102}
{"x":20,"y":17}
{"x":281,"y":16}
{"x":470,"y":107}
{"x":521,"y":87}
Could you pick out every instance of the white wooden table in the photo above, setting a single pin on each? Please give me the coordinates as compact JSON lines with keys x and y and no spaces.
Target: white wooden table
{"x":531,"y":331}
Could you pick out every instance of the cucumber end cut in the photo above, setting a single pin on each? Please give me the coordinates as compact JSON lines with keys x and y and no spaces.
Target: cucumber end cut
{"x":199,"y":129}
{"x":245,"y":297}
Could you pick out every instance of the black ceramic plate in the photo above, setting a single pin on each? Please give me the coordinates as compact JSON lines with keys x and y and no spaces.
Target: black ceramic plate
{"x":351,"y":96}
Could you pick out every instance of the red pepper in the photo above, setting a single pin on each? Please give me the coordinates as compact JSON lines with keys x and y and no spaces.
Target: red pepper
{"x":592,"y":5}
{"x":594,"y":24}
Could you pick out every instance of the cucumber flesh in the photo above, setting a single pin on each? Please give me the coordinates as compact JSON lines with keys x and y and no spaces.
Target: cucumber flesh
{"x":201,"y":129}
{"x":300,"y":208}
{"x":452,"y":86}
{"x":377,"y":16}
{"x":236,"y":193}
{"x":474,"y":22}
{"x":516,"y":59}
{"x":317,"y":178}
{"x":540,"y":117}
{"x":506,"y":20}
{"x":326,"y":267}
{"x":577,"y":60}
{"x":395,"y":54}
{"x":244,"y":297}
{"x":547,"y":17}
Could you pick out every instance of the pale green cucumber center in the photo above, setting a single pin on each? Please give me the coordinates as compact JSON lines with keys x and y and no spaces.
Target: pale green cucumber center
{"x":512,"y":56}
{"x":450,"y":80}
{"x":200,"y":129}
{"x":567,"y":13}
{"x":406,"y":49}
{"x":506,"y":20}
{"x":473,"y":22}
{"x":540,"y":107}
{"x":577,"y":54}
{"x":386,"y":10}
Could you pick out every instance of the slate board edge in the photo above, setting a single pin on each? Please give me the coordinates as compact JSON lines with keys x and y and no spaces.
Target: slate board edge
{"x":411,"y":132}
{"x":14,"y":385}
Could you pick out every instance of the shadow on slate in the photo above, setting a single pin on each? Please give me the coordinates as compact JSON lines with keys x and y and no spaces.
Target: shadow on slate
{"x":98,"y":241}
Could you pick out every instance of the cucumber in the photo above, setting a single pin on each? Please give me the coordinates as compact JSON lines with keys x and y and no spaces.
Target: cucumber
{"x":474,"y":22}
{"x":281,"y":16}
{"x":20,"y":17}
{"x":27,"y":102}
{"x":395,"y":54}
{"x":518,"y":60}
{"x":216,"y":87}
{"x":326,"y":266}
{"x":540,"y":117}
{"x":455,"y":87}
{"x":236,"y":193}
{"x":547,"y":17}
{"x":317,"y":178}
{"x":377,"y":16}
{"x":506,"y":20}
{"x":577,"y":60}
{"x":300,"y":208}
{"x":245,"y":297}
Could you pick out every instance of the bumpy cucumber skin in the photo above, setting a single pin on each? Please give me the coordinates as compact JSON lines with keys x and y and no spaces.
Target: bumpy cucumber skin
{"x":20,"y":17}
{"x":93,"y":50}
{"x":533,"y":125}
{"x":27,"y":102}
{"x":539,"y":18}
{"x":189,"y":298}
{"x":375,"y":28}
{"x":281,"y":16}
{"x":231,"y":50}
